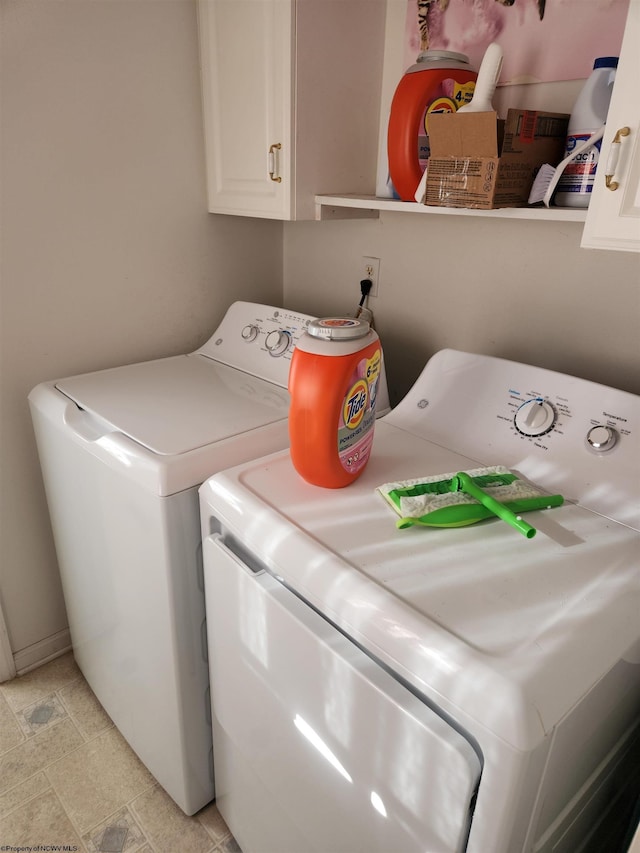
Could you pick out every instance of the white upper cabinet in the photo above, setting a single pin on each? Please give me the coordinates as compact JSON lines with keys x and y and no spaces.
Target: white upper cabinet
{"x":613,"y":217}
{"x":291,"y":95}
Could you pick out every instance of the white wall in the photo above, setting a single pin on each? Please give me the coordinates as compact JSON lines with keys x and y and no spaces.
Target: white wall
{"x":108,"y":255}
{"x":516,"y":289}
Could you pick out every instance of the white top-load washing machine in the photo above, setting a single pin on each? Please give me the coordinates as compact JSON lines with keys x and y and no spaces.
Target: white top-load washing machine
{"x":431,"y":689}
{"x":123,"y":452}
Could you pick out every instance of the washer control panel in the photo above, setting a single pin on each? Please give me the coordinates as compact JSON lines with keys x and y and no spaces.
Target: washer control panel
{"x":250,"y":332}
{"x":259,"y":339}
{"x":278,"y":341}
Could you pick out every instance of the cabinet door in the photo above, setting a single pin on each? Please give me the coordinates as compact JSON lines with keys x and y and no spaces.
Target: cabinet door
{"x":246,"y":62}
{"x":613,"y":218}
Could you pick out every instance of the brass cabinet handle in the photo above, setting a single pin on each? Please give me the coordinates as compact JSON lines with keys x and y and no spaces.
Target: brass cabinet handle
{"x":273,"y":162}
{"x":612,"y":161}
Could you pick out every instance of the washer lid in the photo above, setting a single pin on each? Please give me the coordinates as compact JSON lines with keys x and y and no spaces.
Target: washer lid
{"x":174,"y":405}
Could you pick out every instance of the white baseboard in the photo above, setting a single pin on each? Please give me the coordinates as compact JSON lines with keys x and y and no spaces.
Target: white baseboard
{"x":41,"y":652}
{"x":7,"y":664}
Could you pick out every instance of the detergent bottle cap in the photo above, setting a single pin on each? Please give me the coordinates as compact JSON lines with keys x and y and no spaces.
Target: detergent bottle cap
{"x":338,"y":328}
{"x":435,"y":55}
{"x":434,"y":58}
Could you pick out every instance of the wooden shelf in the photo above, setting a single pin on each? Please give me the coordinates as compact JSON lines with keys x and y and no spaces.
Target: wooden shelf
{"x":370,"y":207}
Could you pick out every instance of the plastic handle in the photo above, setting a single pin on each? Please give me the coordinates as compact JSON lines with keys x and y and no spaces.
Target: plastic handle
{"x":464,"y":483}
{"x":612,"y":160}
{"x":487,"y":81}
{"x":84,"y":425}
{"x":562,"y":165}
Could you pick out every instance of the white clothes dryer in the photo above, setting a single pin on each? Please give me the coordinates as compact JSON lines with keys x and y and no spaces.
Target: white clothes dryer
{"x":434,"y":689}
{"x":123,"y":452}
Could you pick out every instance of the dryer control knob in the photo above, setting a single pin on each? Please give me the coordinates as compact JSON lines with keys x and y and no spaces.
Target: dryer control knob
{"x":535,"y":417}
{"x":277,"y":342}
{"x":250,"y":333}
{"x":601,"y":438}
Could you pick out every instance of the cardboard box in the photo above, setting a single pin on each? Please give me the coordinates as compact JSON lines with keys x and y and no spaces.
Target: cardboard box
{"x":480,"y":161}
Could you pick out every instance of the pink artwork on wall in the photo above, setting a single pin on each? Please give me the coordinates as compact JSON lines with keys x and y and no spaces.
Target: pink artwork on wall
{"x":542,"y":40}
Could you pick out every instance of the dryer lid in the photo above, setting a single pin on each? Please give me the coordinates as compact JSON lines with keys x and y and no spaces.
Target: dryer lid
{"x":174,"y":405}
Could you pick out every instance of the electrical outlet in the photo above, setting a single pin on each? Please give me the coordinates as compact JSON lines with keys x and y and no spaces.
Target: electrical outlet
{"x":371,"y":269}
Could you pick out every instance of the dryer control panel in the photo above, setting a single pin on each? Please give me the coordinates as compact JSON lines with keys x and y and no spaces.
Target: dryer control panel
{"x":566,"y":434}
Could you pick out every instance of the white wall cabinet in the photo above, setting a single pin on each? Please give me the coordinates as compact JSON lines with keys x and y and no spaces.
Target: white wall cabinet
{"x":613,"y":217}
{"x":291,"y":95}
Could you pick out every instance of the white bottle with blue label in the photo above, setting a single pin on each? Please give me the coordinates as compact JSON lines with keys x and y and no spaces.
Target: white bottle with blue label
{"x":588,"y":117}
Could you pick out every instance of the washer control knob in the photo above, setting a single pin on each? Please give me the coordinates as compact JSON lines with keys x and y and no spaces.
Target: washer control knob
{"x":535,"y":417}
{"x":250,"y":333}
{"x":601,"y":438}
{"x":277,"y":341}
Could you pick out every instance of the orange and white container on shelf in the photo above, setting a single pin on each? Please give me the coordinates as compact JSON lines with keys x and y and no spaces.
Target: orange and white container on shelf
{"x":440,"y":81}
{"x":333,"y":381}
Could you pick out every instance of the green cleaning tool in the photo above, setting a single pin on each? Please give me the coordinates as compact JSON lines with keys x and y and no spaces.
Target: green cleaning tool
{"x":463,"y":498}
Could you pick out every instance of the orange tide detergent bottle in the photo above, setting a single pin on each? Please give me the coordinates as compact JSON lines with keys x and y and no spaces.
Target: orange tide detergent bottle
{"x":333,"y":383}
{"x":440,"y":81}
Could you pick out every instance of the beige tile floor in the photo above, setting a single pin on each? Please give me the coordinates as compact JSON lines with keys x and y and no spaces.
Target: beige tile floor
{"x":67,"y":777}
